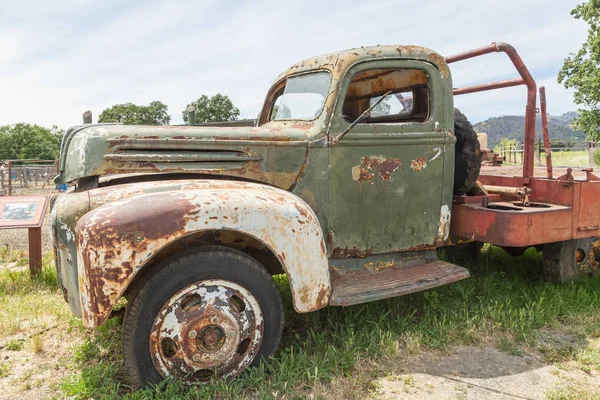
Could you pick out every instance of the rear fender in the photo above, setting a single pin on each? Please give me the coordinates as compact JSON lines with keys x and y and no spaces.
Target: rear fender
{"x":116,"y":240}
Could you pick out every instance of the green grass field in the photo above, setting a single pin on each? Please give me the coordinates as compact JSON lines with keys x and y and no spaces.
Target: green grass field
{"x":505,"y":304}
{"x":568,"y":159}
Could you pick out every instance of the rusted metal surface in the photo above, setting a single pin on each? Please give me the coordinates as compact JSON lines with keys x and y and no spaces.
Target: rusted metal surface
{"x":339,"y":63}
{"x":489,"y":86}
{"x":477,"y":199}
{"x":211,"y":328}
{"x":568,"y":177}
{"x":372,"y":166}
{"x":514,"y":191}
{"x":382,"y":175}
{"x":386,"y":280}
{"x":589,"y":176}
{"x":560,"y":209}
{"x":418,"y":164}
{"x":244,"y":152}
{"x":547,"y":150}
{"x":588,"y":212}
{"x":353,"y":252}
{"x":510,"y":224}
{"x":526,"y":79}
{"x":114,"y":243}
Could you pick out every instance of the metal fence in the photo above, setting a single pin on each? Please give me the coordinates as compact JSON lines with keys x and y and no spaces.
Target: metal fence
{"x":27,"y":176}
{"x":580,"y":155}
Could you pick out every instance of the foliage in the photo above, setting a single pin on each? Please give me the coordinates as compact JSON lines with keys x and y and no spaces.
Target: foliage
{"x":597,"y":157}
{"x":581,"y":71}
{"x":26,"y":141}
{"x":513,"y":127}
{"x":218,"y":108}
{"x":155,"y":113}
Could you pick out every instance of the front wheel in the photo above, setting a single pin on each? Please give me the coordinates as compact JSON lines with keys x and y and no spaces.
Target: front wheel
{"x":205,"y":315}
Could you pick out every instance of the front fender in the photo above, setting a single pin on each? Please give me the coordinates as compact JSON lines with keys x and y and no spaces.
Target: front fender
{"x":116,"y":240}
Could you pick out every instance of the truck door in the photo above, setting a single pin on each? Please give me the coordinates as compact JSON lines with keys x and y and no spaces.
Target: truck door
{"x":391,"y":175}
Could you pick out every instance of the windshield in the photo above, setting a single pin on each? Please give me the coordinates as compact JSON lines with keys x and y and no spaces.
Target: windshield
{"x":302,"y":97}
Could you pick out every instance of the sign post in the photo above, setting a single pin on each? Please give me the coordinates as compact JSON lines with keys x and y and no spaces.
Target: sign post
{"x":26,"y":212}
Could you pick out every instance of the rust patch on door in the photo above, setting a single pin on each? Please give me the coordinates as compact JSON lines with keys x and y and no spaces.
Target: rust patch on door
{"x":372,"y":166}
{"x":418,"y":163}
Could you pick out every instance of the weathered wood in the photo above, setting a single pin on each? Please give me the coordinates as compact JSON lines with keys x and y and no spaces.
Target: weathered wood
{"x":35,"y":251}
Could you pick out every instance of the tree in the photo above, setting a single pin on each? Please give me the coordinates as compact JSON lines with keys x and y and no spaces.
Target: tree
{"x":218,"y":108}
{"x":25,"y":141}
{"x":155,"y":113}
{"x":581,"y":71}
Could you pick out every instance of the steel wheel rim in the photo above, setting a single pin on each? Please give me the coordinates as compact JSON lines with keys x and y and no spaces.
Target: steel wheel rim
{"x":211,"y":328}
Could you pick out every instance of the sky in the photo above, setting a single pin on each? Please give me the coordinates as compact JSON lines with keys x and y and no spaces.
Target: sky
{"x":62,"y":57}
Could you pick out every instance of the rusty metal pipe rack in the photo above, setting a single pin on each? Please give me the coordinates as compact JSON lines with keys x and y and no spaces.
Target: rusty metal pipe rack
{"x":526,"y":79}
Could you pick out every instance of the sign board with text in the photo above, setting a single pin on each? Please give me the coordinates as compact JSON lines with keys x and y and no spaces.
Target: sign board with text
{"x":22,"y":211}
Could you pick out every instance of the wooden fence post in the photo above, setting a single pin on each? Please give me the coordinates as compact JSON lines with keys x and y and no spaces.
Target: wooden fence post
{"x":10,"y":178}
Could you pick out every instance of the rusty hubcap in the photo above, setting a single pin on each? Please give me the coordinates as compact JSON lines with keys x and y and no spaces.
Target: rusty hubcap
{"x":208,"y":329}
{"x":211,"y":338}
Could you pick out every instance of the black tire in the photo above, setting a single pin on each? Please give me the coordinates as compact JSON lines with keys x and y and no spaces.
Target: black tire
{"x":467,"y":160}
{"x":515,"y":251}
{"x":462,"y":254}
{"x":172,"y":278}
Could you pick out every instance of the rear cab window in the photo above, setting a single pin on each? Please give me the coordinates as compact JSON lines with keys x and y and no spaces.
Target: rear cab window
{"x":407,"y":102}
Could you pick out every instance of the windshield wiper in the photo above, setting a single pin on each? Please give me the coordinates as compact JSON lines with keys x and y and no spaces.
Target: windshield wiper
{"x":360,"y":118}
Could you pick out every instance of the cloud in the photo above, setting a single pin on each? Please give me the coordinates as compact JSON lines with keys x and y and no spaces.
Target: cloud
{"x":64,"y":57}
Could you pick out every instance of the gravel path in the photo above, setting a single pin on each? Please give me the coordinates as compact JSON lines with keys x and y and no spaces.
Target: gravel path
{"x":19,"y":239}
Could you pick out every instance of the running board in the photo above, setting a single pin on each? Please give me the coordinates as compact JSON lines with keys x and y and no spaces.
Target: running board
{"x":369,"y":285}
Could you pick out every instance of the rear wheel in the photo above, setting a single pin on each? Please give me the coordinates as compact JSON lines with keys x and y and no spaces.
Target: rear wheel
{"x":204,"y":315}
{"x":464,"y":253}
{"x":571,"y":259}
{"x":467,"y":159}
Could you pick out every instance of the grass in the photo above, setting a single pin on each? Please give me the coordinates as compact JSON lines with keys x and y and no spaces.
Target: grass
{"x":8,"y":256}
{"x":27,"y":304}
{"x":505,"y":303}
{"x":568,"y":159}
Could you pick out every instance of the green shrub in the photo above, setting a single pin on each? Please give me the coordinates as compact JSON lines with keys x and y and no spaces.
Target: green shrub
{"x":597,"y":157}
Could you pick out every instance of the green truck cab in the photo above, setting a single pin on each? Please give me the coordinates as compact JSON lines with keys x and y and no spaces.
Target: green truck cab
{"x":346,"y":193}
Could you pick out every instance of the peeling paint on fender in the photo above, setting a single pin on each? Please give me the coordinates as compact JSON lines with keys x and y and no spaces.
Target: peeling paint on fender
{"x":116,"y":240}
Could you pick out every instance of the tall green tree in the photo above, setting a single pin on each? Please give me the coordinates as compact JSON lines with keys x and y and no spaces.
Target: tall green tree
{"x":155,"y":113}
{"x":581,"y":71}
{"x":26,"y":141}
{"x":218,"y":108}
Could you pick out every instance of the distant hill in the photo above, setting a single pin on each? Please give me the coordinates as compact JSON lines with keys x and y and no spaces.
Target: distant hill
{"x":513,"y":127}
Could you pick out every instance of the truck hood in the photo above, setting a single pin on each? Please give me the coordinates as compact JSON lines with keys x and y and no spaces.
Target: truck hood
{"x":272,"y":154}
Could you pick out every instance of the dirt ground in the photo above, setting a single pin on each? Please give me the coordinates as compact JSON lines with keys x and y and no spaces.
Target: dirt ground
{"x":505,"y":170}
{"x":36,"y":375}
{"x":483,"y":373}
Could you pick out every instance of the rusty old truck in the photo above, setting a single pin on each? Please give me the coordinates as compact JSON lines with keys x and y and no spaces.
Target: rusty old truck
{"x":357,"y":169}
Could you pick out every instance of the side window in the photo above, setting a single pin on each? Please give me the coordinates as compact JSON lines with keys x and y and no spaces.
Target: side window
{"x":408,"y":101}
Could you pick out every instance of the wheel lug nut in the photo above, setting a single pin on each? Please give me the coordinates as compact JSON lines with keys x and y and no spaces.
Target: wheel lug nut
{"x":196,"y":357}
{"x":193,"y":334}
